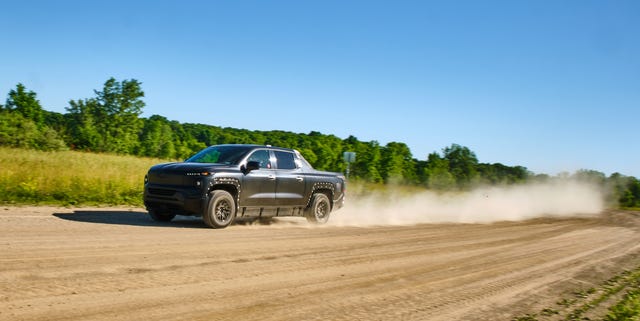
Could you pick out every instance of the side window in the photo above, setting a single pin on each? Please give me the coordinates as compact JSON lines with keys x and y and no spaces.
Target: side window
{"x":262,"y":157}
{"x":286,"y":160}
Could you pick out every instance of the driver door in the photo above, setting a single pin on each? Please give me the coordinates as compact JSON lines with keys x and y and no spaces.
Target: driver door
{"x":259,"y":185}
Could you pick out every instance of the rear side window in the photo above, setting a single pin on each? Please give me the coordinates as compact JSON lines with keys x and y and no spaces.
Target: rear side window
{"x":286,"y":160}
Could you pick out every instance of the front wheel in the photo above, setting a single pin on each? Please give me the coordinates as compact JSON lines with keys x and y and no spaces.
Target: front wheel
{"x":221,"y":210}
{"x":319,"y":210}
{"x":161,"y":217}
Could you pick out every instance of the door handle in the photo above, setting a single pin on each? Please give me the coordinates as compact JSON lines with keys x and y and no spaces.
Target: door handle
{"x":271,"y":177}
{"x":299,"y":179}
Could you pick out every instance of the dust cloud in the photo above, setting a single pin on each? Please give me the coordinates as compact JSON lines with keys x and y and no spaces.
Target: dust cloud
{"x":482,"y":205}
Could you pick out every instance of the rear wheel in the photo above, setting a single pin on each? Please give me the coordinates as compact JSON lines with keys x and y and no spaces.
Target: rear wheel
{"x":221,"y":210}
{"x":318,"y":212}
{"x":161,"y":217}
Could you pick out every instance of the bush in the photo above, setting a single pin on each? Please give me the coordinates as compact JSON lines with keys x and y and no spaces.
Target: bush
{"x":17,"y":131}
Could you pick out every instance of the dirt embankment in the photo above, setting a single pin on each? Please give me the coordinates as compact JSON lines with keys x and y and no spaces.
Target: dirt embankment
{"x":104,"y":264}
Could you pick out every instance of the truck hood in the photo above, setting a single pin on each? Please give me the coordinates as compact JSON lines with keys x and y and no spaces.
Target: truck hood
{"x":182,"y":167}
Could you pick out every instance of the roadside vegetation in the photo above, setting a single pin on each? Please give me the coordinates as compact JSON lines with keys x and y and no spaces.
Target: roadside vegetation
{"x":109,"y":124}
{"x":71,"y":177}
{"x":616,"y":299}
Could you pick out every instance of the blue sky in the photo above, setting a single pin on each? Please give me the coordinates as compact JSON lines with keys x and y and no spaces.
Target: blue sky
{"x":550,"y":85}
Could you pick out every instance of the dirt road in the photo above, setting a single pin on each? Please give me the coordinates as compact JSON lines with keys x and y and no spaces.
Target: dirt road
{"x":106,"y":264}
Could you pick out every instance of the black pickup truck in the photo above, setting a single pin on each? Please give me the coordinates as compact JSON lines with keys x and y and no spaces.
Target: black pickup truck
{"x":226,"y":182}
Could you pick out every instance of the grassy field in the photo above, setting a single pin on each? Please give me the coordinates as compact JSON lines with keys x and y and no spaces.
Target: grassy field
{"x":71,"y":178}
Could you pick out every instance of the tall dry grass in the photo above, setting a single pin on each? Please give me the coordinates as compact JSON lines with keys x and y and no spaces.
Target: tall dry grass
{"x":71,"y":178}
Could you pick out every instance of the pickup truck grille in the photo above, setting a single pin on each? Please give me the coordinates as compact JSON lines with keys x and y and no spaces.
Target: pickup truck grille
{"x":162,"y":192}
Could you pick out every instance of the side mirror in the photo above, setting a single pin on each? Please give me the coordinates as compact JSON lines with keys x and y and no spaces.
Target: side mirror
{"x":252,"y":165}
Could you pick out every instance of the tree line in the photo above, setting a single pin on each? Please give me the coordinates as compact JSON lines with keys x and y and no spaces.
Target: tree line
{"x":111,"y":122}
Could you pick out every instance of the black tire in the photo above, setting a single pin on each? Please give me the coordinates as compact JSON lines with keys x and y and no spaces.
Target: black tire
{"x":221,"y":210}
{"x":318,"y":212}
{"x":161,"y":217}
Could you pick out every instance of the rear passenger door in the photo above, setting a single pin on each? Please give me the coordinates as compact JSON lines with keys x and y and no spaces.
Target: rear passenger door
{"x":290,"y":180}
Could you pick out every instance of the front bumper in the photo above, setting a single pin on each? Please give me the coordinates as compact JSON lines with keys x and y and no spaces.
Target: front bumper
{"x":174,"y":199}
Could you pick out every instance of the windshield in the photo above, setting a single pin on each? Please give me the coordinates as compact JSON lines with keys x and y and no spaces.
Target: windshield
{"x":228,"y":155}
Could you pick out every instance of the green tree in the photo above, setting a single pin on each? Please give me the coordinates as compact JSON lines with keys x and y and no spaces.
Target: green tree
{"x":397,"y":164}
{"x":368,"y":159}
{"x":109,"y":122}
{"x":328,"y":149}
{"x":82,"y":131}
{"x":18,"y":131}
{"x":634,"y":190}
{"x":123,"y":105}
{"x":55,"y":121}
{"x":590,"y":176}
{"x":436,"y":173}
{"x":157,"y":138}
{"x":184,"y":142}
{"x":624,"y":190}
{"x":22,"y":122}
{"x":501,"y":174}
{"x":462,"y":164}
{"x":25,"y":103}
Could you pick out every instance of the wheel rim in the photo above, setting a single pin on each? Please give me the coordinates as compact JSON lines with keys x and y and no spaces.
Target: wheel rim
{"x":223,"y":211}
{"x":322,"y":210}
